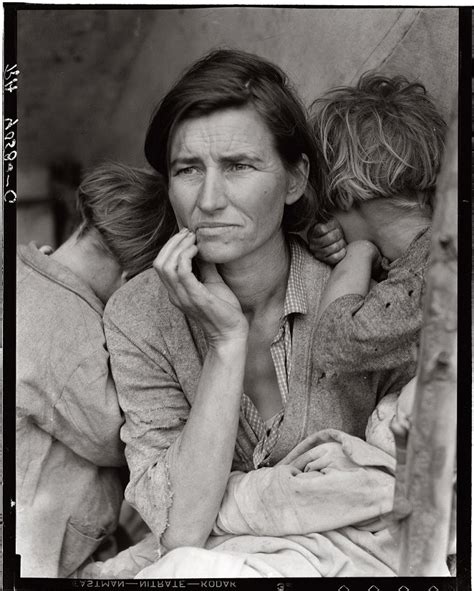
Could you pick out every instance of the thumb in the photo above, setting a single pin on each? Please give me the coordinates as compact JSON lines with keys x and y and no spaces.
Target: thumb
{"x":209,"y":273}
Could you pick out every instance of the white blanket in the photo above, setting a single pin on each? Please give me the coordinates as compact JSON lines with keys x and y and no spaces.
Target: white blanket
{"x":284,"y":522}
{"x":333,"y":521}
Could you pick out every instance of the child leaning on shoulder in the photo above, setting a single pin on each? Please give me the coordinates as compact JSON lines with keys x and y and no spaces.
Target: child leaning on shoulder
{"x":382,"y":142}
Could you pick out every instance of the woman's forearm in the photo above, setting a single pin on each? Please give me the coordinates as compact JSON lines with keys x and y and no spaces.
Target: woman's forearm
{"x":201,"y":462}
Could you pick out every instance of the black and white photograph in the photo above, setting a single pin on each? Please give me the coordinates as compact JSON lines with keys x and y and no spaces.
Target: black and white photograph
{"x":230,"y":334}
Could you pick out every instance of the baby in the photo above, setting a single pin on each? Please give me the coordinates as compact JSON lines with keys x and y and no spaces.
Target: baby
{"x":393,"y":412}
{"x":383,"y":142}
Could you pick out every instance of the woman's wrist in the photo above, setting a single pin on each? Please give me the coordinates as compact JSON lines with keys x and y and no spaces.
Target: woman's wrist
{"x":231,"y":344}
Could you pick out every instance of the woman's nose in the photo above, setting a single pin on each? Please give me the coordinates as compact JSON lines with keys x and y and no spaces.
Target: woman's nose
{"x":212,"y":193}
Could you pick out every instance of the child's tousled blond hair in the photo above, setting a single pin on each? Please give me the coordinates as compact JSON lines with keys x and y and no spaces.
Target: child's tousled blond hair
{"x":382,"y":138}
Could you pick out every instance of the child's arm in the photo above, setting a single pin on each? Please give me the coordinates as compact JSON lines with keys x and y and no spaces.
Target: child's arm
{"x":352,"y":275}
{"x":377,"y":331}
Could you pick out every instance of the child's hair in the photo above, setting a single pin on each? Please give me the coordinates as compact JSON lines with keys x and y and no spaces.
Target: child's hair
{"x":382,"y":138}
{"x":126,"y":208}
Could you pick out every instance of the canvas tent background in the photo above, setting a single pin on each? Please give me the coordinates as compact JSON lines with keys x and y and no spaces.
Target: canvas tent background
{"x":90,"y":79}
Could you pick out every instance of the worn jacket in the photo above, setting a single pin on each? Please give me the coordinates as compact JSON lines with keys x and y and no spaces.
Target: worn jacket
{"x":382,"y":329}
{"x":157,"y":355}
{"x":68,"y":492}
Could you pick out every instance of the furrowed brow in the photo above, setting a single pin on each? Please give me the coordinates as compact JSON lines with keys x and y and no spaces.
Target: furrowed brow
{"x":241,"y":157}
{"x":183,"y":161}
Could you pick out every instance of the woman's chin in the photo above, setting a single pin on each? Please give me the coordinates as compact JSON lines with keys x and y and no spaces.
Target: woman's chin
{"x":217,"y":253}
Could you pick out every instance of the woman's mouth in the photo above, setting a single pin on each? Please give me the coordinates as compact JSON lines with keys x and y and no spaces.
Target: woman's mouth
{"x":213,"y":227}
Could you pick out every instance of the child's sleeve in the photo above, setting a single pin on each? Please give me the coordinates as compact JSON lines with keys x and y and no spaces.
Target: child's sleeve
{"x":376,"y":332}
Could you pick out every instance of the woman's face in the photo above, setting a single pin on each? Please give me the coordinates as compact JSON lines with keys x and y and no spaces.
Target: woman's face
{"x":228,"y":184}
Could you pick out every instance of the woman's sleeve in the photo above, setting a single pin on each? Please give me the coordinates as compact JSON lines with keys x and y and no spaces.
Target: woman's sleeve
{"x":283,"y":500}
{"x":376,"y":332}
{"x":155,"y":411}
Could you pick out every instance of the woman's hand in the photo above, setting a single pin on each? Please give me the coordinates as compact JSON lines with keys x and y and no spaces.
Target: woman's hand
{"x":323,"y":457}
{"x":326,"y":242}
{"x":210,"y":301}
{"x":200,"y":460}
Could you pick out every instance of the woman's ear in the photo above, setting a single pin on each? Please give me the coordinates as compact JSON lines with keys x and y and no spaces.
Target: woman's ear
{"x":298,"y":180}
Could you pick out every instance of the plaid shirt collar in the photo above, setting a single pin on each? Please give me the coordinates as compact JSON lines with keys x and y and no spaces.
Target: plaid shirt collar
{"x":295,"y":302}
{"x":295,"y":298}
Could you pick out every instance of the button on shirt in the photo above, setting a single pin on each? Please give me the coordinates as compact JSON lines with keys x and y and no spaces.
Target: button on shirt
{"x":295,"y":303}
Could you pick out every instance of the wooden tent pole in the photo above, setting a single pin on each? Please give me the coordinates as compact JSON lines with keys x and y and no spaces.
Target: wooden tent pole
{"x":431,"y":451}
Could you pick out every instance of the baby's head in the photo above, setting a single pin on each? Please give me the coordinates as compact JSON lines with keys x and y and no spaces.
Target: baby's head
{"x":382,"y":138}
{"x":378,"y":431}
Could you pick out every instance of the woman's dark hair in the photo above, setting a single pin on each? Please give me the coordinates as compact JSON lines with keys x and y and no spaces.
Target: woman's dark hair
{"x":227,"y":78}
{"x":127,"y":209}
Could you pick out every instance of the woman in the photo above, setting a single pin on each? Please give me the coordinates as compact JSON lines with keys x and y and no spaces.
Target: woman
{"x":69,"y":453}
{"x":212,"y":355}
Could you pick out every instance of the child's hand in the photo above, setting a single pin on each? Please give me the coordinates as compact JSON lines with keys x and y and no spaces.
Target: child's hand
{"x":406,"y":399}
{"x":45,"y":248}
{"x":326,"y":242}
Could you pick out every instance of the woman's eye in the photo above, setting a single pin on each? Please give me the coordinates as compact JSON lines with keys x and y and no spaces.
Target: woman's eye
{"x":240,"y":166}
{"x":186,"y":171}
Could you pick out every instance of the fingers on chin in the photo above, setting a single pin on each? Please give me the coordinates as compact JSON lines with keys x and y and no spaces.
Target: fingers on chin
{"x":174,"y":245}
{"x":184,"y":260}
{"x":169,"y":263}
